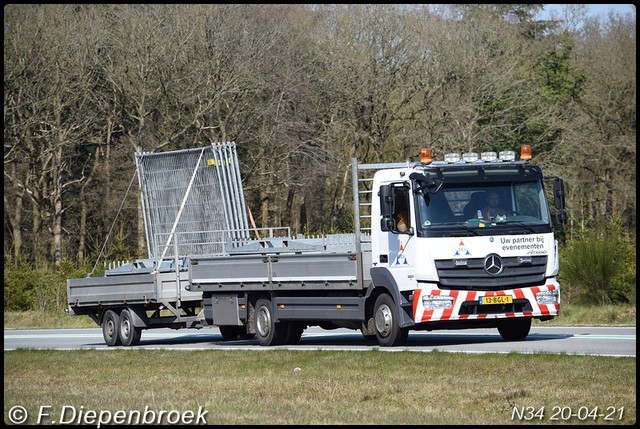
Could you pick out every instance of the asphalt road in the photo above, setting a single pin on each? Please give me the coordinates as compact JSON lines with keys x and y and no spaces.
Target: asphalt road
{"x":595,"y":341}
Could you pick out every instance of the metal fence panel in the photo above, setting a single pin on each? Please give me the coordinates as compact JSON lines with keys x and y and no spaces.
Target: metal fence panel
{"x":203,"y":188}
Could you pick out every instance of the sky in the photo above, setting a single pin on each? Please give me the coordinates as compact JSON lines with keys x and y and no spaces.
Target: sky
{"x":600,"y":10}
{"x":603,"y":9}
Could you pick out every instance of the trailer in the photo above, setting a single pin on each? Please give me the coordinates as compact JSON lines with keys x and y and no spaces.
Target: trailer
{"x":454,"y":265}
{"x":191,"y":199}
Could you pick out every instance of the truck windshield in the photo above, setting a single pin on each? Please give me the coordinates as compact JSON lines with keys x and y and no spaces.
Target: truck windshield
{"x":508,"y":207}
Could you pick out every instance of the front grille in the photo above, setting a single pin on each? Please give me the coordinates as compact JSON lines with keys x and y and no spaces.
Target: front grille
{"x":473,"y":275}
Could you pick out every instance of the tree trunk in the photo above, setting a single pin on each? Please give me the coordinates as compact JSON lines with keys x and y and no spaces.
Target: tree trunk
{"x":57,"y":206}
{"x":17,"y":226}
{"x":36,"y":228}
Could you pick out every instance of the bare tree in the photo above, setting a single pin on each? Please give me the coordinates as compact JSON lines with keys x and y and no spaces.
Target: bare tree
{"x":56,"y":87}
{"x":301,"y":89}
{"x":602,"y":135}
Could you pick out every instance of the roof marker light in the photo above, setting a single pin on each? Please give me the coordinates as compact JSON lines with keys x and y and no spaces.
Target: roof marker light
{"x":525,"y":152}
{"x":470,"y":157}
{"x":507,"y":155}
{"x":451,"y":157}
{"x":488,"y":156}
{"x":425,"y":155}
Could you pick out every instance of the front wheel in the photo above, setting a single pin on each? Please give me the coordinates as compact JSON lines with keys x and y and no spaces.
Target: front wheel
{"x":514,"y":329}
{"x":387,"y":323}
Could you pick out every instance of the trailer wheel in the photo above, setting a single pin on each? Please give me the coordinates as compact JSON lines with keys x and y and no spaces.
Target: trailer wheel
{"x":514,"y":329}
{"x":111,"y":328}
{"x":268,"y":332}
{"x":129,"y":334}
{"x":388,"y":331}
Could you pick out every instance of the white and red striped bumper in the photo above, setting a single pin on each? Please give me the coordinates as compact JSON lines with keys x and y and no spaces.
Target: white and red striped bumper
{"x":421,"y":314}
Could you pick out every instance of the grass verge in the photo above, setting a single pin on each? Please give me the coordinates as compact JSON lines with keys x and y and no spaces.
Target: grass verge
{"x":318,"y":387}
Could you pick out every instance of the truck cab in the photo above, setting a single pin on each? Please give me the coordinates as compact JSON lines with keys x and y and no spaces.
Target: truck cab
{"x":478,"y":249}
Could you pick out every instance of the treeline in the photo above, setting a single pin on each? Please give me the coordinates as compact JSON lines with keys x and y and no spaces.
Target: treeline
{"x":300,"y":89}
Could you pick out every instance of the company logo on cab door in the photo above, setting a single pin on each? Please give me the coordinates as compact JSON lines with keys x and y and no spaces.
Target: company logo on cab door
{"x":462,"y":250}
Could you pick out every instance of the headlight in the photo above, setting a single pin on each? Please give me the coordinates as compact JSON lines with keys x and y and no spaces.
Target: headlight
{"x":547,"y":297}
{"x":435,"y":302}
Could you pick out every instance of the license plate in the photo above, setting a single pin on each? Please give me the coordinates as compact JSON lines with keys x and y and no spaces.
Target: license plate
{"x":496,"y":299}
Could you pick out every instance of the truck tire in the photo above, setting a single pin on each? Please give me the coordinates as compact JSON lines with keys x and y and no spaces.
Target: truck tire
{"x":514,"y":329}
{"x":129,"y":334}
{"x":268,"y":332}
{"x":111,"y":328}
{"x":386,"y":320}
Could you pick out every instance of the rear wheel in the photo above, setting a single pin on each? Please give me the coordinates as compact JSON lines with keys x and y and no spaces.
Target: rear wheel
{"x":129,"y":334}
{"x":111,"y":328}
{"x":514,"y":329}
{"x":387,"y":323}
{"x":268,"y":332}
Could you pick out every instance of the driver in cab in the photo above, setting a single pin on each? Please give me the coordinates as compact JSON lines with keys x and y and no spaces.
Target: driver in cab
{"x":492,"y":207}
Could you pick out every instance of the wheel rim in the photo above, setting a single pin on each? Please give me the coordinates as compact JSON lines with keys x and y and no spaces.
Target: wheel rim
{"x":383,"y":320}
{"x":263,"y":322}
{"x":126,"y":328}
{"x":111,"y":328}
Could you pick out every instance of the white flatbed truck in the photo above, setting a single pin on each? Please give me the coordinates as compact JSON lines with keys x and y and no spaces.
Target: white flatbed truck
{"x":450,"y":269}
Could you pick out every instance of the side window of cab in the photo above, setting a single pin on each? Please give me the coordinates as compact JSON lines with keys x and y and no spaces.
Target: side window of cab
{"x":402,"y":212}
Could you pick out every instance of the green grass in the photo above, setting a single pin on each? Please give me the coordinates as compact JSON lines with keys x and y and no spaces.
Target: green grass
{"x":43,"y":320}
{"x":595,"y":315}
{"x":320,"y":387}
{"x":317,"y":387}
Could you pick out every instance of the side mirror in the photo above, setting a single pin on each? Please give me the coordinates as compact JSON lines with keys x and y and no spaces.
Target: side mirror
{"x":387,"y":224}
{"x":562,"y":217}
{"x":558,"y":199}
{"x":387,"y":208}
{"x":558,"y":193}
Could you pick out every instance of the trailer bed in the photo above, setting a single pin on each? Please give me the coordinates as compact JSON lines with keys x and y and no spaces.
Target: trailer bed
{"x":137,"y":288}
{"x":275,"y":272}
